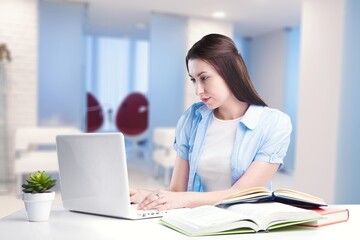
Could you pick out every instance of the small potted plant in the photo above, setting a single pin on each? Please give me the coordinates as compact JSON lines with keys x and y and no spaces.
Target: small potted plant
{"x":37,"y":196}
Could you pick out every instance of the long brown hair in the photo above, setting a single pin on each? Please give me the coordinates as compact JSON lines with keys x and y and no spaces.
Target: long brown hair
{"x":221,"y":52}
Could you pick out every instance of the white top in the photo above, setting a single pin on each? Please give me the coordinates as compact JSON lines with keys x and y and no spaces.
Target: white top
{"x":215,"y":163}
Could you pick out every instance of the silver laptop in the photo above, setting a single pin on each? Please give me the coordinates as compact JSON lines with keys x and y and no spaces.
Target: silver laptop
{"x":93,"y":175}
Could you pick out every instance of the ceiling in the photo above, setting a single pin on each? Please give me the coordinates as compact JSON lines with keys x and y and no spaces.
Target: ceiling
{"x":130,"y":18}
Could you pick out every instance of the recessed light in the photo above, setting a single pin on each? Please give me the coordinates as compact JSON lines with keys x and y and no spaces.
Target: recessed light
{"x":219,"y":14}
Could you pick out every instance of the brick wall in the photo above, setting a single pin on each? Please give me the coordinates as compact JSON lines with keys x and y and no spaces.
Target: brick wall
{"x":19,"y":30}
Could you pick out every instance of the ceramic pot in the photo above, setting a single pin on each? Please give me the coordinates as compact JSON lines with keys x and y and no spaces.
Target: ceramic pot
{"x":38,"y":205}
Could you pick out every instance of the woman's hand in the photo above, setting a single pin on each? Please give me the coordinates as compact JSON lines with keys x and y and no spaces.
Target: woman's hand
{"x":163,"y":200}
{"x":137,"y":195}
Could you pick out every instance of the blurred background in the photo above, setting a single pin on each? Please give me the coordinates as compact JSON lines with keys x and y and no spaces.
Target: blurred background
{"x":116,"y":65}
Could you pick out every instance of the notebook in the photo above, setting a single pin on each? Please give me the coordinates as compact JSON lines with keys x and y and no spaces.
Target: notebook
{"x":93,"y":175}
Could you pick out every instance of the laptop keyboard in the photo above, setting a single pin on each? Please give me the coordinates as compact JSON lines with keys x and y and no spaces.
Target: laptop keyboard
{"x":147,"y":213}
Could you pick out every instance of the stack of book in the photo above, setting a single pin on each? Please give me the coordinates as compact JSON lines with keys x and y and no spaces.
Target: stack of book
{"x":255,"y":210}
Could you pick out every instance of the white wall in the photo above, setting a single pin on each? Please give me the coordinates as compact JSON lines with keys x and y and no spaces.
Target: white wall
{"x":322,"y":30}
{"x":267,"y":63}
{"x":19,"y":30}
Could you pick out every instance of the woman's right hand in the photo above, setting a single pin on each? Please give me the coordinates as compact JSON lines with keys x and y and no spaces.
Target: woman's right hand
{"x":138,"y":195}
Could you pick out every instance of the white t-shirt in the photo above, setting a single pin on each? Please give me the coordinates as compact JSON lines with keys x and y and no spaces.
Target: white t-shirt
{"x":214,"y":166}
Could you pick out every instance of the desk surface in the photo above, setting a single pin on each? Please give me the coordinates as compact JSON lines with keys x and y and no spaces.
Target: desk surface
{"x":64,"y":224}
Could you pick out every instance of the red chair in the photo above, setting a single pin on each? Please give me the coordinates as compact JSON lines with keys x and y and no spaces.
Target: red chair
{"x":132,"y":119}
{"x":94,"y":116}
{"x":132,"y":115}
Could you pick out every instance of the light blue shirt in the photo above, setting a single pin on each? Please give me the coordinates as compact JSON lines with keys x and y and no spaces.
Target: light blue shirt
{"x":263,"y":135}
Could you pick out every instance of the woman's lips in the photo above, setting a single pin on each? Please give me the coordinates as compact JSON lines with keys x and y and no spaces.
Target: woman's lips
{"x":205,"y":100}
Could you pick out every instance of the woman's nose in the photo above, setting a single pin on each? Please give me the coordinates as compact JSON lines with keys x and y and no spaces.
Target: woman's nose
{"x":198,"y":88}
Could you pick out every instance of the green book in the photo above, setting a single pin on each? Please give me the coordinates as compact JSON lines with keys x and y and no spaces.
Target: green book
{"x":238,"y":218}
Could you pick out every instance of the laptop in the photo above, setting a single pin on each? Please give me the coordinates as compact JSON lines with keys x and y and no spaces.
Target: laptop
{"x":93,"y":175}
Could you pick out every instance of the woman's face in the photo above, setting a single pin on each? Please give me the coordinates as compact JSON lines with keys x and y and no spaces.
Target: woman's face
{"x":209,"y":85}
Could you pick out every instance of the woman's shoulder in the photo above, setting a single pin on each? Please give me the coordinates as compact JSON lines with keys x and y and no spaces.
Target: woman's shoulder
{"x":275,"y":116}
{"x":276,"y":113}
{"x":265,"y":117}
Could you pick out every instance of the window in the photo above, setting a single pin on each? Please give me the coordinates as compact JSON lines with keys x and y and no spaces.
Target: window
{"x":114,"y":68}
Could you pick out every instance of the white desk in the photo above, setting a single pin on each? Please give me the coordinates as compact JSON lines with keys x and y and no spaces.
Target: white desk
{"x":65,"y":225}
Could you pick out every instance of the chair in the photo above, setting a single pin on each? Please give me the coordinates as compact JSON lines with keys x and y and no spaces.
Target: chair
{"x":35,"y":149}
{"x":94,"y":114}
{"x":163,"y":153}
{"x":132,"y":120}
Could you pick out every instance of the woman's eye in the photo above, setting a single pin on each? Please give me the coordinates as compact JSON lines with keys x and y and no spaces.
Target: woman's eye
{"x":203,"y":78}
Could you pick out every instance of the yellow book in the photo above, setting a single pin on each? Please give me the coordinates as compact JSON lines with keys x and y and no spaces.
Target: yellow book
{"x":283,"y":195}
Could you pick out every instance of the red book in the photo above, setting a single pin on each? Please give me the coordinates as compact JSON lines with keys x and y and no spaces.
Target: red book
{"x":330,"y":215}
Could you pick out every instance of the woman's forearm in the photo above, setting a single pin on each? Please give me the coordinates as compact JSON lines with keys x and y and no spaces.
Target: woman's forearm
{"x":195,"y":199}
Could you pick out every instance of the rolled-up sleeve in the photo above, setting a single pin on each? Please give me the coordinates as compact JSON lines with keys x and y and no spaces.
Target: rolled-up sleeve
{"x":276,"y":141}
{"x":182,"y":133}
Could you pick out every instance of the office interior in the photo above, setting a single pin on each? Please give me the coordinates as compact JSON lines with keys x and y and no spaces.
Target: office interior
{"x":309,"y":70}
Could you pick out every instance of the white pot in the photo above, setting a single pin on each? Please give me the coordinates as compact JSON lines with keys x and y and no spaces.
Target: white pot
{"x":38,"y":205}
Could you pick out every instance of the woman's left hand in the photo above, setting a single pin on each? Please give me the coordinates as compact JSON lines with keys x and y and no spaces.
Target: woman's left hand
{"x":163,"y":200}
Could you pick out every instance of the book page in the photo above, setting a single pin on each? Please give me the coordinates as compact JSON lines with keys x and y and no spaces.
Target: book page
{"x":268,"y":214}
{"x":289,"y":193}
{"x":207,"y":220}
{"x":190,"y":230}
{"x":251,"y":193}
{"x":208,"y":216}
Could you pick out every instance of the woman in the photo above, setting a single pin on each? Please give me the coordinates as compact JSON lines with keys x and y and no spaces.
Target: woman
{"x":229,"y":141}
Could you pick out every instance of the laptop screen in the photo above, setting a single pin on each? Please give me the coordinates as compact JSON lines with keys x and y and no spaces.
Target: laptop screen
{"x":93,"y":173}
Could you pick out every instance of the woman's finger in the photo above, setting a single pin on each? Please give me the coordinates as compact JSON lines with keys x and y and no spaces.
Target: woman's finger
{"x":157,"y":203}
{"x":151,"y":201}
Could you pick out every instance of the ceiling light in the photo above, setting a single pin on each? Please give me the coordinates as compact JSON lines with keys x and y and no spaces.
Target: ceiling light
{"x":219,"y":14}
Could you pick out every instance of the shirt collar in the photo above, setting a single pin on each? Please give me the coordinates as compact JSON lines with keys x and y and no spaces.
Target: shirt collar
{"x":252,"y":116}
{"x":250,"y":119}
{"x":204,"y":110}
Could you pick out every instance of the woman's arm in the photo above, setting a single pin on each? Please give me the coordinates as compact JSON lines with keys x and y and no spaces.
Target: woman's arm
{"x":180,"y":175}
{"x":258,"y":174}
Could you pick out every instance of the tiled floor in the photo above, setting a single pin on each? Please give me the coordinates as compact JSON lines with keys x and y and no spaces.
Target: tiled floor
{"x":140,"y":176}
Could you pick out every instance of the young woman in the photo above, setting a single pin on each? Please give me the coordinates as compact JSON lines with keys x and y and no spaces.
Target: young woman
{"x":229,"y":141}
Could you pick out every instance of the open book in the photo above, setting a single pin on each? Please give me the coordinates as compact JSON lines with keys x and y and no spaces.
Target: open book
{"x":239,"y":218}
{"x":283,"y":195}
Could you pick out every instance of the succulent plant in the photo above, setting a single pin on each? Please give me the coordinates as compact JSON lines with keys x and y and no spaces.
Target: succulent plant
{"x":38,"y":182}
